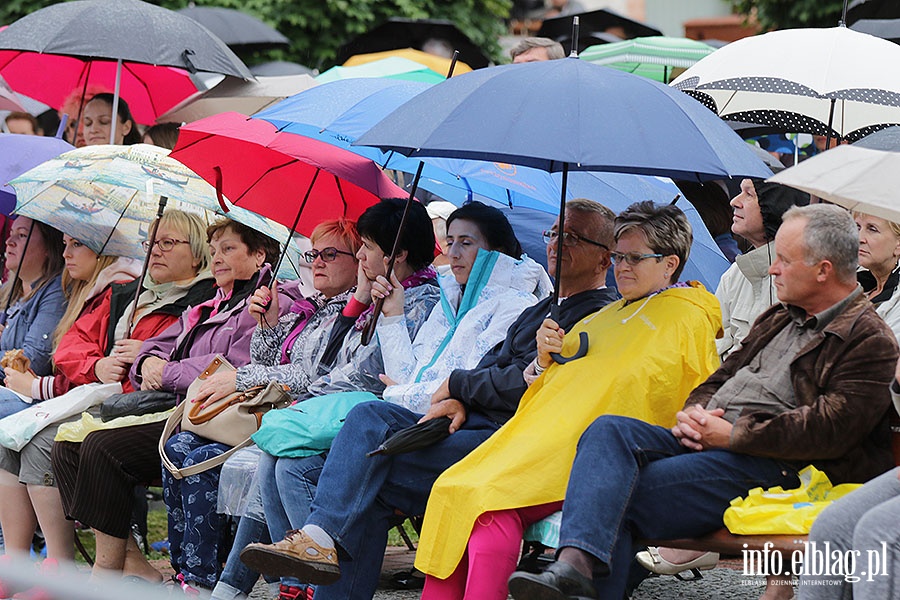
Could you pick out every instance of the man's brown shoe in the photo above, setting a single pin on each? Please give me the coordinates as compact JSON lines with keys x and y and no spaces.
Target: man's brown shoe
{"x":297,"y":555}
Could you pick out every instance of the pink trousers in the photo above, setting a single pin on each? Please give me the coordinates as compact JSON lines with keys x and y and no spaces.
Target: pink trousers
{"x":491,"y":556}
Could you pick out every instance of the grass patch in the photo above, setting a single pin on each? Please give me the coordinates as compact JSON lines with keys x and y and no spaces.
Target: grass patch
{"x":394,"y":538}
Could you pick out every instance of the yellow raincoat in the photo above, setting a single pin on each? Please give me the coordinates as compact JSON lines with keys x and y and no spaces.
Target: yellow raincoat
{"x":643,"y":361}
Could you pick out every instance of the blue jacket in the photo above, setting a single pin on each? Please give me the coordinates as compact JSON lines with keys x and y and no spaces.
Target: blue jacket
{"x":30,"y":324}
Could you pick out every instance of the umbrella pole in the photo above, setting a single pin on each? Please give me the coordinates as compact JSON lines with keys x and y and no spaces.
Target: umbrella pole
{"x":843,"y":21}
{"x":15,"y":278}
{"x":574,"y":52}
{"x":140,"y":288}
{"x":115,"y":106}
{"x":294,"y":226}
{"x":369,"y":330}
{"x":830,"y":122}
{"x":452,"y":64}
{"x":554,"y":297}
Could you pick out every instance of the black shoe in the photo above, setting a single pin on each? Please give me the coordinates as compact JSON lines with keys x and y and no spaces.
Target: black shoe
{"x":560,"y":581}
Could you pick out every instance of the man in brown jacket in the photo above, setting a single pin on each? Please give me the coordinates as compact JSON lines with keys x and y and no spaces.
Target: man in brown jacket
{"x":810,"y":384}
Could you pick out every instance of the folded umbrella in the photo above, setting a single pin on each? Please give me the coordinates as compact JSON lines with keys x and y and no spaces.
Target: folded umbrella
{"x":415,"y":437}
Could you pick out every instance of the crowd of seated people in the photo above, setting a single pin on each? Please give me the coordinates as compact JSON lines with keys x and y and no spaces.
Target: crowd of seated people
{"x":659,"y":396}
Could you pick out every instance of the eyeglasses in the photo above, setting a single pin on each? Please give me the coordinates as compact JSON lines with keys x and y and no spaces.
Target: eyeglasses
{"x":165,"y":244}
{"x":327,"y":254}
{"x":632,"y":258}
{"x":569,"y":239}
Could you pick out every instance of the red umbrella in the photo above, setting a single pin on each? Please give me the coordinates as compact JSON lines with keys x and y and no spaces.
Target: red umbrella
{"x":294,"y":180}
{"x":149,"y":90}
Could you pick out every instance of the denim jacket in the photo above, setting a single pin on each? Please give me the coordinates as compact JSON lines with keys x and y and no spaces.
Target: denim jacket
{"x":30,"y":325}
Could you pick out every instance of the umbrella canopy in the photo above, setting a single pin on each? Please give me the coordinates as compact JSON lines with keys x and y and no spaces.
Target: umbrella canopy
{"x":8,"y":99}
{"x":859,"y":179}
{"x":393,"y":67}
{"x":872,"y":9}
{"x":886,"y":29}
{"x":276,"y":68}
{"x":107,"y":196}
{"x":55,"y":50}
{"x":149,"y":90}
{"x":19,"y":153}
{"x":596,"y":21}
{"x":398,"y":33}
{"x":884,"y":139}
{"x":237,"y":29}
{"x":128,"y":30}
{"x":659,"y":58}
{"x":293,"y":180}
{"x":438,"y":64}
{"x":571,"y":113}
{"x":795,"y":78}
{"x":237,"y":95}
{"x":339,"y":112}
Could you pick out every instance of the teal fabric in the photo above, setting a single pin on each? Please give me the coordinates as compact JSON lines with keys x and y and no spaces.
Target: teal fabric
{"x":478,"y":278}
{"x":307,"y":428}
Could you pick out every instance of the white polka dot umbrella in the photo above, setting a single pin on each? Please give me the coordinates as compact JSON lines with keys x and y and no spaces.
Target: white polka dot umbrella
{"x":802,"y":80}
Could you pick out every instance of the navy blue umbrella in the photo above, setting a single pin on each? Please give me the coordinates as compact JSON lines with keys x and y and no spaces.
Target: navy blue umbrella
{"x":564,"y":115}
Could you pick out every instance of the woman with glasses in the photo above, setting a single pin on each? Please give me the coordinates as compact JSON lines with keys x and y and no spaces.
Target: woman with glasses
{"x":93,"y":343}
{"x":97,"y":476}
{"x":336,"y":361}
{"x":646,"y":353}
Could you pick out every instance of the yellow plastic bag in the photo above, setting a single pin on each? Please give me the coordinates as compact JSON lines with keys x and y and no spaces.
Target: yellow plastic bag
{"x":784,"y":512}
{"x":76,"y":431}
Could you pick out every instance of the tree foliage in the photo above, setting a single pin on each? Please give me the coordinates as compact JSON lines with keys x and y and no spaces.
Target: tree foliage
{"x":317,"y":28}
{"x":789,"y":14}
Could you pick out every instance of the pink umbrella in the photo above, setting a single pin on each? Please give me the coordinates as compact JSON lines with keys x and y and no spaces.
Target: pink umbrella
{"x":149,"y":90}
{"x":8,"y":100}
{"x":291,"y":179}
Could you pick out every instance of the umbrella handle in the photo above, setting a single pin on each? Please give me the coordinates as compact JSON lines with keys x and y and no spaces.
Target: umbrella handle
{"x":582,"y":350}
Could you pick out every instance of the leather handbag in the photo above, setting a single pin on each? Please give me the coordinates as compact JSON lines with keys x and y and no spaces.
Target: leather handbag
{"x":230,"y":420}
{"x":136,"y":403}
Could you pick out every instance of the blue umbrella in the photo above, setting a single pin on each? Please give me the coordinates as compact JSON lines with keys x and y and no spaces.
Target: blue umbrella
{"x":339,"y":112}
{"x":564,"y":115}
{"x":20,"y":153}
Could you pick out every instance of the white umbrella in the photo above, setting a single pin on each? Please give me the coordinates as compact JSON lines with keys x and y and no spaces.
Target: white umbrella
{"x":236,"y":95}
{"x":802,"y":80}
{"x":859,"y":179}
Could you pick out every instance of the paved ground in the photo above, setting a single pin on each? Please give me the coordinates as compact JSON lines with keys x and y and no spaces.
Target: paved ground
{"x":724,"y":583}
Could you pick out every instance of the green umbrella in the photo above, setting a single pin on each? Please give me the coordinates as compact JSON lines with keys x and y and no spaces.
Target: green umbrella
{"x":393,"y":67}
{"x":652,"y":57}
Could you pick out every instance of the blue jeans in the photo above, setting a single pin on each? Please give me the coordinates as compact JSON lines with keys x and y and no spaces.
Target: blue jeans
{"x":356,"y":496}
{"x":288,"y":486}
{"x":194,"y":527}
{"x":10,"y":403}
{"x":236,"y":576}
{"x":634,"y":480}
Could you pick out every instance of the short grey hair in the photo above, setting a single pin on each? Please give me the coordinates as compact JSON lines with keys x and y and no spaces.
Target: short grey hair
{"x":600,"y":221}
{"x":664,"y":226}
{"x":830,"y":234}
{"x":554,"y":49}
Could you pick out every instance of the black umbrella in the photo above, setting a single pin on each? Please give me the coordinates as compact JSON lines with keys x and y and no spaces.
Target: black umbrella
{"x":873,"y":9}
{"x":416,"y":437}
{"x":596,"y":21}
{"x":127,"y":30}
{"x":887,"y":29}
{"x":124,"y":31}
{"x":397,"y":33}
{"x":242,"y":32}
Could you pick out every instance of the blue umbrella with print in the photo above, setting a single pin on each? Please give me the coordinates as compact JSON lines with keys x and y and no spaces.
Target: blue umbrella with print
{"x":567,"y":115}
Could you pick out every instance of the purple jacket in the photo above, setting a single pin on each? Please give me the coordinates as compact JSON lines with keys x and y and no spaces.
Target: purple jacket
{"x":228,"y":333}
